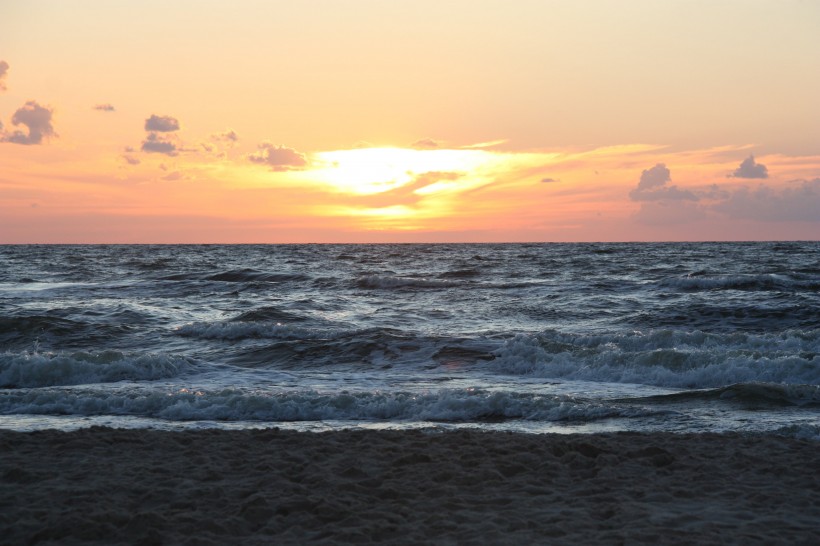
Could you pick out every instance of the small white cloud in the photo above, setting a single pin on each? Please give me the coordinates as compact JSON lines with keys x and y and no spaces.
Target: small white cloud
{"x":278,"y":157}
{"x":749,"y":169}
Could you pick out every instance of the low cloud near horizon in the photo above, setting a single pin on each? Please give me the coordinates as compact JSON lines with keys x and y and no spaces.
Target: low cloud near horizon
{"x":652,"y":187}
{"x":749,"y":169}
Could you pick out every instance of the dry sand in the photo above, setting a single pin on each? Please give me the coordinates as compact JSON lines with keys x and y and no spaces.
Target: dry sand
{"x":405,"y":487}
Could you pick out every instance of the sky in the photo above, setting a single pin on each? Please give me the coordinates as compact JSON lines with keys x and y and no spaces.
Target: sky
{"x":409,"y":121}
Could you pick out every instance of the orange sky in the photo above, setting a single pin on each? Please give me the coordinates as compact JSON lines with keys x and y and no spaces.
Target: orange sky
{"x":372,"y":121}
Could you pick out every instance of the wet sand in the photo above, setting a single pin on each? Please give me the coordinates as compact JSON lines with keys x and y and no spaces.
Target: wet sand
{"x":405,"y":487}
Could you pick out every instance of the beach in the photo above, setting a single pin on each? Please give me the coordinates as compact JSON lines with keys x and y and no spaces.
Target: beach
{"x":266,"y":486}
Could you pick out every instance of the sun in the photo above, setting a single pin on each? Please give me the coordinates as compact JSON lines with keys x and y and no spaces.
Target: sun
{"x":368,"y":171}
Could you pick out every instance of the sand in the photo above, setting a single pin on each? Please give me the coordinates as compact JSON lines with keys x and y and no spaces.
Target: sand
{"x":405,"y":487}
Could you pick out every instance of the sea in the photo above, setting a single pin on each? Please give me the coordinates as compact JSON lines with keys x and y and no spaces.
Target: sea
{"x":534,"y":338}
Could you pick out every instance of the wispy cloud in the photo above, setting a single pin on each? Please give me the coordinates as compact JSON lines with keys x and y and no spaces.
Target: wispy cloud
{"x":104,"y":107}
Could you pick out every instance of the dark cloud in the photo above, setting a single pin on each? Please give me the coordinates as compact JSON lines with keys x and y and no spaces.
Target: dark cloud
{"x":652,"y":187}
{"x":131,"y":160}
{"x":156,"y":144}
{"x":278,"y":157}
{"x":549,"y":180}
{"x":104,"y":107}
{"x":654,"y":177}
{"x":749,"y":169}
{"x":37,"y":120}
{"x":162,"y":124}
{"x":797,"y":203}
{"x":426,"y":143}
{"x":4,"y":69}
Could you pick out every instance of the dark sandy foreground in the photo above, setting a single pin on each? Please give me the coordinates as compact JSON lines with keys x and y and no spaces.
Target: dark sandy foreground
{"x":279,"y":487}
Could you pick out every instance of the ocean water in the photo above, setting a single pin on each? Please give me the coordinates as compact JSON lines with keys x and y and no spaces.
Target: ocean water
{"x":686,"y":337}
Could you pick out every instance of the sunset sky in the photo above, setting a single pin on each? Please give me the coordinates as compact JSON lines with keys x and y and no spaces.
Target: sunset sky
{"x":209,"y":121}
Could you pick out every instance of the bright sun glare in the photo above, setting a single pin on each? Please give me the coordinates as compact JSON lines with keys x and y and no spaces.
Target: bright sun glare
{"x":368,"y":171}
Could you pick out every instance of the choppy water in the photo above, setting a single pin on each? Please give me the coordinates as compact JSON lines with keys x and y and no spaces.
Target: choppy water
{"x":528,"y":337}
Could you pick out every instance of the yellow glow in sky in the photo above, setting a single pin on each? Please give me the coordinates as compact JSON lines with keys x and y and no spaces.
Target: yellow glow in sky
{"x":364,"y":120}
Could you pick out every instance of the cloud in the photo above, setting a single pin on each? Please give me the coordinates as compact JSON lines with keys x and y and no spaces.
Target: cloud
{"x":652,"y":187}
{"x":4,"y":69}
{"x":131,"y":160}
{"x":796,"y":203}
{"x":153,"y":143}
{"x":162,"y":124}
{"x":228,"y":135}
{"x":654,"y":177}
{"x":103,"y":107}
{"x":549,"y":180}
{"x":278,"y":157}
{"x":665,"y":213}
{"x":37,"y":119}
{"x":426,"y":143}
{"x":749,"y":169}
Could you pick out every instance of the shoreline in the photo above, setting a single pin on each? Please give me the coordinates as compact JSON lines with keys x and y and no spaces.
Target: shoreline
{"x":126,"y":486}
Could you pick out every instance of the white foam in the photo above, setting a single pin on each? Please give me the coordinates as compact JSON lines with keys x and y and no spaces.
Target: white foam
{"x":448,"y":405}
{"x":48,"y":369}
{"x":385,"y":282}
{"x":665,"y":358}
{"x":244,"y":330}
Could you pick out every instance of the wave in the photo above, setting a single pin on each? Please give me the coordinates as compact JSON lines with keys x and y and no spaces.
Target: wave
{"x":268,"y":314}
{"x":446,"y":405}
{"x":666,"y":358}
{"x":238,"y":276}
{"x":234,"y":331}
{"x":752,"y":282}
{"x":749,"y":396}
{"x":381,"y":282}
{"x":46,"y":370}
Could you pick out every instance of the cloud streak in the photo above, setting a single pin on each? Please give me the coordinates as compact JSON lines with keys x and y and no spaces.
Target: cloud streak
{"x":104,"y":107}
